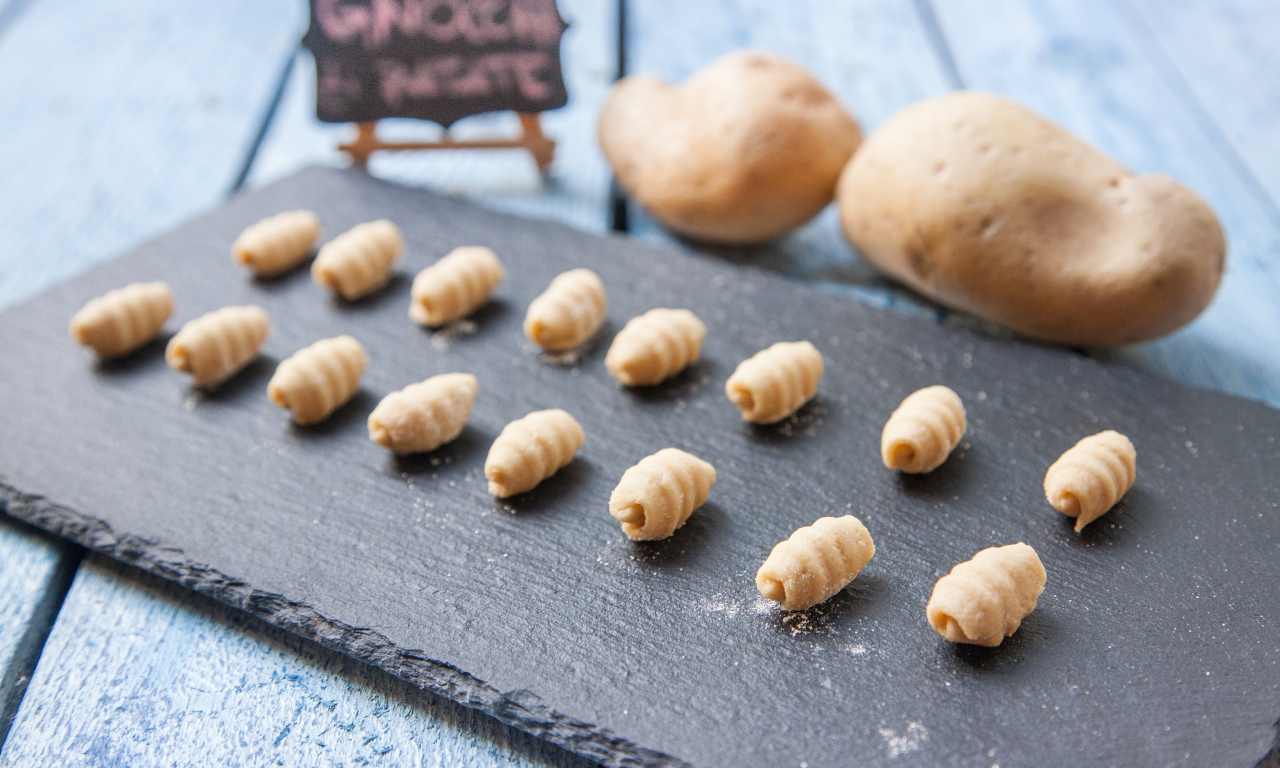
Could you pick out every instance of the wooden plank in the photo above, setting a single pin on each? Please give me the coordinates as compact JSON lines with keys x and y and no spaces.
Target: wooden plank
{"x":1087,"y":67}
{"x":1226,"y":55}
{"x":180,"y":679}
{"x":876,"y":57}
{"x":327,"y":710}
{"x":576,"y":191}
{"x":103,"y":147}
{"x":541,"y":612}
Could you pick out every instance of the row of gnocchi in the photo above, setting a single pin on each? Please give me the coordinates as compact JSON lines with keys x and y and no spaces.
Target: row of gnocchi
{"x":980,"y":601}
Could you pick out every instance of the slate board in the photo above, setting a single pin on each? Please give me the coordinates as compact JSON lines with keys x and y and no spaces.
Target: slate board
{"x":1157,"y":640}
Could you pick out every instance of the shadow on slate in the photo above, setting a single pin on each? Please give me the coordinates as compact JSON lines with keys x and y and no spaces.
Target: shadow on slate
{"x":1157,"y":640}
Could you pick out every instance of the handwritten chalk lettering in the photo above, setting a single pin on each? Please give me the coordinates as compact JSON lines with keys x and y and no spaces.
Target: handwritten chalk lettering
{"x":438,"y":60}
{"x":377,"y":23}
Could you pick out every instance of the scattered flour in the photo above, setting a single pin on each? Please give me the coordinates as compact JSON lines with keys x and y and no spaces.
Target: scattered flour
{"x":442,"y":338}
{"x":910,"y":740}
{"x":857,"y":649}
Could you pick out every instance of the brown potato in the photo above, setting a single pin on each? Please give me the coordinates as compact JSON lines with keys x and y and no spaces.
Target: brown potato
{"x":745,"y":150}
{"x":983,"y":205}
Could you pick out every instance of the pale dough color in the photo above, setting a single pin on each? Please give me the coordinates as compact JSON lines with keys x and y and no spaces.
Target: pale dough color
{"x":1091,"y":476}
{"x":658,"y":495}
{"x":455,"y":286}
{"x":772,"y":384}
{"x":424,"y":416}
{"x":278,"y":243}
{"x":815,"y":562}
{"x":358,"y":262}
{"x":318,"y":379}
{"x":569,"y":312}
{"x":215,"y":346}
{"x":984,"y":600}
{"x":655,"y":346}
{"x":531,"y":449}
{"x":923,"y":430}
{"x":118,"y":322}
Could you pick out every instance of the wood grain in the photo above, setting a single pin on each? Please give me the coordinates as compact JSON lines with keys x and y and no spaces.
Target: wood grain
{"x":540,"y":612}
{"x":79,"y":193}
{"x":1087,"y":67}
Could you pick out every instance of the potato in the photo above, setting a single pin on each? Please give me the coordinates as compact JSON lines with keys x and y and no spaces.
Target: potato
{"x":745,"y":150}
{"x":982,"y":205}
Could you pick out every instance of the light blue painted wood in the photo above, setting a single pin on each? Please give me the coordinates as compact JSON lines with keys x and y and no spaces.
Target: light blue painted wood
{"x":138,"y":672}
{"x":875,"y":56}
{"x":578,"y":187}
{"x":1226,"y":53}
{"x":1086,"y":66}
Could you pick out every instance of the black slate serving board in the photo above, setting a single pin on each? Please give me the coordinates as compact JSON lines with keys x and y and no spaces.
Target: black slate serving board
{"x":1157,"y":640}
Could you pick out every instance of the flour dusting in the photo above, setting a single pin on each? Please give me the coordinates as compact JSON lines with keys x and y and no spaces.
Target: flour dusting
{"x":909,"y":741}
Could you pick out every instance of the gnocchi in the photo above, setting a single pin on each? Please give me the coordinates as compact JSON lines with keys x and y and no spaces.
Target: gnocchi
{"x":815,"y":562}
{"x":217,"y":345}
{"x":358,"y":262}
{"x":118,"y":322}
{"x":455,"y":286}
{"x":569,"y":312}
{"x":658,"y":495}
{"x":984,"y":600}
{"x":318,"y":379}
{"x":278,"y":243}
{"x":923,"y":431}
{"x":1088,"y":480}
{"x":655,"y":346}
{"x":774,"y":383}
{"x":424,"y":416}
{"x":530,"y":450}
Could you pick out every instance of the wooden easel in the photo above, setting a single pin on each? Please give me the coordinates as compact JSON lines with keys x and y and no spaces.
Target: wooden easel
{"x":531,"y":139}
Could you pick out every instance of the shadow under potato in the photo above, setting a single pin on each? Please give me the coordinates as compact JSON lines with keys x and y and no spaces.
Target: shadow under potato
{"x":701,"y":533}
{"x":374,"y":300}
{"x":461,"y":450}
{"x":682,"y":386}
{"x":250,"y":381}
{"x":283,"y":280}
{"x":551,"y":494}
{"x":1035,"y":637}
{"x":150,"y":353}
{"x":352,"y":415}
{"x":865,"y":596}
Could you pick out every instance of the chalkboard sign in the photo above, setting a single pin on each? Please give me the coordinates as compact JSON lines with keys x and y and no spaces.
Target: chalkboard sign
{"x":438,"y":60}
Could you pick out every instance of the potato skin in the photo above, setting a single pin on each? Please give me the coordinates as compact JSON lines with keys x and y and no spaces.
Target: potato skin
{"x":745,"y":150}
{"x":983,"y":205}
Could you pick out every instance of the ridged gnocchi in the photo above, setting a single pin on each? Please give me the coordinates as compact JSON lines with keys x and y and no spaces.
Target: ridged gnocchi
{"x":569,"y":312}
{"x":774,"y":383}
{"x":655,"y":346}
{"x":424,"y":416}
{"x":455,"y":286}
{"x":923,"y":431}
{"x":659,"y":494}
{"x":217,"y":345}
{"x":984,"y":600}
{"x":119,"y":321}
{"x":815,"y":562}
{"x":318,"y":379}
{"x":277,"y":243}
{"x":531,"y":449}
{"x":358,"y":262}
{"x":1088,"y":480}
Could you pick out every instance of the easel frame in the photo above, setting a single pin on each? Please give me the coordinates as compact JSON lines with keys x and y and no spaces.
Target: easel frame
{"x":531,"y":139}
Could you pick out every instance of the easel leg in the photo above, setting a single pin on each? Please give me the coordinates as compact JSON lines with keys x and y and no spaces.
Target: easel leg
{"x":542,"y":148}
{"x":365,"y":142}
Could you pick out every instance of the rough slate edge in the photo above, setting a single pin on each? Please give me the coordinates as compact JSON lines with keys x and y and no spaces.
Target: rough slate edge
{"x":523,"y":711}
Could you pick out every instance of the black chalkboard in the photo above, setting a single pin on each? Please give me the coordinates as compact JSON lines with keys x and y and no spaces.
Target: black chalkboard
{"x":438,"y":60}
{"x":1157,"y":640}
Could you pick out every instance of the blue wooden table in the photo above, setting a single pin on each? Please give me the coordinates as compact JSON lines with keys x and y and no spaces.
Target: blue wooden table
{"x":121,"y":119}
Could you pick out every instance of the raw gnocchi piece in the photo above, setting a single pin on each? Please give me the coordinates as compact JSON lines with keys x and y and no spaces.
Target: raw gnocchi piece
{"x":455,"y":286}
{"x":568,"y":313}
{"x":424,"y":416}
{"x":531,"y":449}
{"x":984,"y":600}
{"x":278,"y":243}
{"x":815,"y":562}
{"x":773,"y":383}
{"x":358,"y":262}
{"x":215,"y":346}
{"x":923,"y":430}
{"x":318,"y":379}
{"x":118,"y":322}
{"x":658,"y":495}
{"x":655,"y":346}
{"x":1088,"y":480}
